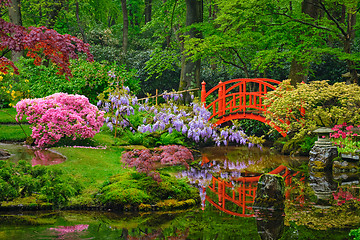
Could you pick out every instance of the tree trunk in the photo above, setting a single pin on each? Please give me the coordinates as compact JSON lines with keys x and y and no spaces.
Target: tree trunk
{"x":311,"y":8}
{"x":351,"y":19}
{"x":79,"y":23}
{"x":297,"y":74}
{"x":190,"y":71}
{"x":55,"y":7}
{"x":15,"y":18}
{"x":148,"y":6}
{"x":125,"y":26}
{"x":298,"y":70}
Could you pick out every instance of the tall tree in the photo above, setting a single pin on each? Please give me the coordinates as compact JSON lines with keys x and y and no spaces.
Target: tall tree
{"x":77,"y":13}
{"x":125,"y":26}
{"x":298,"y":70}
{"x":190,"y":69}
{"x":15,"y":18}
{"x":271,"y":33}
{"x":148,"y":8}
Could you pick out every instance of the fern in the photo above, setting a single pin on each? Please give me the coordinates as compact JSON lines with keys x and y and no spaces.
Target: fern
{"x":171,"y":138}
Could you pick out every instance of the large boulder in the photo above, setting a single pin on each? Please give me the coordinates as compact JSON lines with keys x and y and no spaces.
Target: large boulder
{"x":321,"y":158}
{"x":270,"y":192}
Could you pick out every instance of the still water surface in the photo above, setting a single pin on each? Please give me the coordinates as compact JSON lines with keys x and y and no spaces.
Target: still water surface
{"x":318,"y":206}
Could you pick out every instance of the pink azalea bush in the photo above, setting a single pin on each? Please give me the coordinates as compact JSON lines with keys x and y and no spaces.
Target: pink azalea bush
{"x":60,"y":115}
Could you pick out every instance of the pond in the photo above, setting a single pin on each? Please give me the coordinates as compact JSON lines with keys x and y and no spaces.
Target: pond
{"x":318,"y":206}
{"x":34,"y":156}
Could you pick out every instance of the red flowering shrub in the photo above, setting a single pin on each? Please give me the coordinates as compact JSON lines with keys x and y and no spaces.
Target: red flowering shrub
{"x":344,"y":195}
{"x":146,"y":160}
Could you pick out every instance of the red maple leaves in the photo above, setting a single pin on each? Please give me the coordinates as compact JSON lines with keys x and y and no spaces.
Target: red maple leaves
{"x":39,"y":43}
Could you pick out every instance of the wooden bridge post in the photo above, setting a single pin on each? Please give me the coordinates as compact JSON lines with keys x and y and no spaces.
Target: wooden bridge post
{"x":203,"y":92}
{"x":221,"y":100}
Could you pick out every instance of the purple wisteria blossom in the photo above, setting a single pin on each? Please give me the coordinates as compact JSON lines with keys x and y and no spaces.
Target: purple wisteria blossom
{"x":192,"y":121}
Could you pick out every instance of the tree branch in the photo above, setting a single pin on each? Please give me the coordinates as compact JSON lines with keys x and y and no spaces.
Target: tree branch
{"x":5,"y":52}
{"x":231,"y":63}
{"x":357,"y":10}
{"x":306,"y":23}
{"x":334,"y":20}
{"x":242,"y":61}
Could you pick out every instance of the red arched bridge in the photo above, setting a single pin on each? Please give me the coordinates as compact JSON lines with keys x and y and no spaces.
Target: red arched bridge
{"x":239,"y":99}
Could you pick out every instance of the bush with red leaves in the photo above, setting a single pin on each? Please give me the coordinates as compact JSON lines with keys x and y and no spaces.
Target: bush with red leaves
{"x":146,"y":160}
{"x":39,"y":43}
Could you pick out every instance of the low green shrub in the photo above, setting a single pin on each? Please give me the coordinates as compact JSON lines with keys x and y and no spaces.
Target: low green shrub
{"x":355,"y":233}
{"x":23,"y":180}
{"x":136,"y":188}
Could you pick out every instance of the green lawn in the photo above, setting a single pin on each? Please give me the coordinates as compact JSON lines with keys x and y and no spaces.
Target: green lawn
{"x":91,"y":167}
{"x":7,"y":115}
{"x":14,"y":132}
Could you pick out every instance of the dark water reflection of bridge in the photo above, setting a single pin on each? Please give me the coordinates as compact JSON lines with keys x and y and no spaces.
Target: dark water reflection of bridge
{"x":227,"y":177}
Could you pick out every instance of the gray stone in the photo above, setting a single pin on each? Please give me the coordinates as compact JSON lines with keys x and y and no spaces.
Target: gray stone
{"x":321,"y":158}
{"x":323,"y":184}
{"x":270,"y":224}
{"x":4,"y":154}
{"x":270,"y":192}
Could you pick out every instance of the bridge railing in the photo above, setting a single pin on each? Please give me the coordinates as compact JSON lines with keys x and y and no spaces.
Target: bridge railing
{"x":233,"y":96}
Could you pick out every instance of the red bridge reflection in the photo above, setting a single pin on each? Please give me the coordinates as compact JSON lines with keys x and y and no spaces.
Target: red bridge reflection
{"x":237,"y":197}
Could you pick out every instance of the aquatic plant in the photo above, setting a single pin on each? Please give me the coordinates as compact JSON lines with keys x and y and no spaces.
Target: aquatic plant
{"x":60,"y":115}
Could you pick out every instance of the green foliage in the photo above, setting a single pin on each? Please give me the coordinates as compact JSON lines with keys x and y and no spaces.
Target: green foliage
{"x":256,"y":128}
{"x":355,"y":233}
{"x":325,"y":106}
{"x":23,"y":180}
{"x":89,"y":79}
{"x":136,"y":188}
{"x":307,"y":143}
{"x":153,"y":139}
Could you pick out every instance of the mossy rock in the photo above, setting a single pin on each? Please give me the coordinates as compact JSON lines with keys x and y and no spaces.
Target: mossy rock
{"x":270,"y":192}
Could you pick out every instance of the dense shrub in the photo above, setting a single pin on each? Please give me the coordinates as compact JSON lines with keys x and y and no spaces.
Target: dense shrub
{"x":192,"y":121}
{"x":60,"y":115}
{"x":23,"y":180}
{"x":89,"y":79}
{"x":325,"y":105}
{"x":146,"y":160}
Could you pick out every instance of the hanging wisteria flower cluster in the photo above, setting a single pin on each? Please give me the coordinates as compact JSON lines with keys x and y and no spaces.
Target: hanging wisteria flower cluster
{"x":192,"y":121}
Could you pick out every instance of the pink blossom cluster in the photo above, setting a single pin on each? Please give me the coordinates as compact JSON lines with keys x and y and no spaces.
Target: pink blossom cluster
{"x":344,"y":131}
{"x":60,"y":115}
{"x":342,"y":196}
